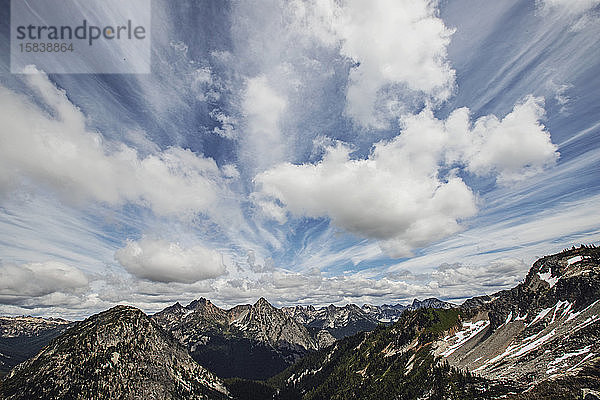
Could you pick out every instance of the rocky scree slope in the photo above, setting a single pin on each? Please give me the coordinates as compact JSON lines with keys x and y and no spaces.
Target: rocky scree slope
{"x":544,"y":329}
{"x":390,"y":362}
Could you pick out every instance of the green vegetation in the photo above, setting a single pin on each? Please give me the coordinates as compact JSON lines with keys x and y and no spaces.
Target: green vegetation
{"x":244,"y":389}
{"x":390,"y":362}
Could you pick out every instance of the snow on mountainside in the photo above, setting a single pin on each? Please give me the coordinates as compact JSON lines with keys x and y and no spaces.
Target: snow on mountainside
{"x":535,"y":341}
{"x":546,"y":327}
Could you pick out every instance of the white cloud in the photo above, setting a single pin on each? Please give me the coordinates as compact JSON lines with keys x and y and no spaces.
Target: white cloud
{"x":161,"y":261}
{"x":51,"y":281}
{"x":468,"y":280}
{"x":569,"y":6}
{"x":395,"y":42}
{"x":399,"y":194}
{"x":515,"y":147}
{"x":263,"y":108}
{"x":49,"y":146}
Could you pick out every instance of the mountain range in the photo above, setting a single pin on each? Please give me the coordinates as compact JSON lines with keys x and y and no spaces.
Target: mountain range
{"x":537,"y":340}
{"x":258,"y":341}
{"x":117,"y":354}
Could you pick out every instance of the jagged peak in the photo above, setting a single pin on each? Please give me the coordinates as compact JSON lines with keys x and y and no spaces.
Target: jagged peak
{"x":200,"y":303}
{"x":416,"y":302}
{"x":262,"y":303}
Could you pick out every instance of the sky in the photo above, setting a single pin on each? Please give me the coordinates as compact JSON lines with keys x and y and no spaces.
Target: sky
{"x":308,"y":152}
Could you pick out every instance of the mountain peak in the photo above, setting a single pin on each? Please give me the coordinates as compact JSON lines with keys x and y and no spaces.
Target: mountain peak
{"x":263,"y":303}
{"x":200,"y":303}
{"x":119,"y":353}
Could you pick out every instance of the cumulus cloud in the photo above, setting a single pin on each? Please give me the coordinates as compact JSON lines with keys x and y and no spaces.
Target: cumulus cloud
{"x":48,"y":145}
{"x":393,"y":43}
{"x":514,"y":148}
{"x":47,"y":282}
{"x":162,"y":261}
{"x":403,"y":194}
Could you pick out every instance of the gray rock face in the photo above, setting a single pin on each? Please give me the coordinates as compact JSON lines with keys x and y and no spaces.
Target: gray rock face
{"x":268,"y":324}
{"x":120,"y":353}
{"x":261,"y":322}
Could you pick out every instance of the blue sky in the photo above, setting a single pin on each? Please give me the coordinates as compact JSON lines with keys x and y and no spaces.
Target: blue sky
{"x":310,"y":152}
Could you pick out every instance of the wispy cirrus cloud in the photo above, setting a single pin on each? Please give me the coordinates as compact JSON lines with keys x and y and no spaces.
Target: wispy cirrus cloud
{"x":59,"y":153}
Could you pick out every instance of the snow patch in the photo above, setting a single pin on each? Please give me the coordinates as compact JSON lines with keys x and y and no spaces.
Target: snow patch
{"x":515,"y":350}
{"x":469,"y":331}
{"x":523,"y":318}
{"x":553,"y":365}
{"x":587,"y":322}
{"x":542,"y":314}
{"x":573,"y":260}
{"x":576,"y":314}
{"x":533,"y":345}
{"x":547,"y":276}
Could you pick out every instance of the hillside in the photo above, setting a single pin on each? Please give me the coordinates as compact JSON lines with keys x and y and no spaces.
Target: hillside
{"x":535,"y":341}
{"x":119,"y":353}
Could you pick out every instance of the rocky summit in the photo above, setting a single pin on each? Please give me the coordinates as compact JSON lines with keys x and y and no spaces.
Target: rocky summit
{"x":250,"y":341}
{"x":117,"y":354}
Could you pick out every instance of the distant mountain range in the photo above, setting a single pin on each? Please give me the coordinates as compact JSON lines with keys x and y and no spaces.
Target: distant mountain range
{"x":22,"y":337}
{"x":537,"y":340}
{"x":249,"y":341}
{"x":258,"y":341}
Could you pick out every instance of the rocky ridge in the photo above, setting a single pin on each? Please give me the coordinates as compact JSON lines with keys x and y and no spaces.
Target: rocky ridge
{"x":544,"y":328}
{"x":252,"y":341}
